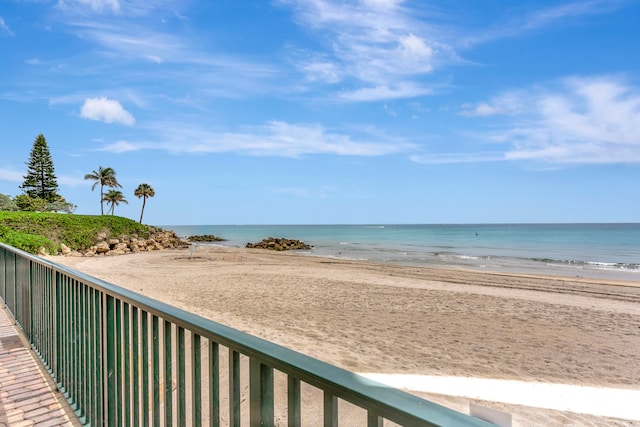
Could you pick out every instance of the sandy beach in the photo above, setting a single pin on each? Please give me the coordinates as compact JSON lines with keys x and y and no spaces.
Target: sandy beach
{"x":385,"y":319}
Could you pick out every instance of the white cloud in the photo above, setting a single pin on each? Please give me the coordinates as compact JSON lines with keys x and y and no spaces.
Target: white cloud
{"x":552,"y":14}
{"x":122,"y":147}
{"x":385,"y":92}
{"x":582,"y":120}
{"x":183,"y":62}
{"x":106,"y":110}
{"x":449,"y":158}
{"x":508,"y":103}
{"x":95,"y":5}
{"x":4,"y":28}
{"x":482,"y":110}
{"x":295,"y":191}
{"x":376,"y":43}
{"x":71,"y":181}
{"x":11,"y":175}
{"x":321,"y":69}
{"x":274,"y":138}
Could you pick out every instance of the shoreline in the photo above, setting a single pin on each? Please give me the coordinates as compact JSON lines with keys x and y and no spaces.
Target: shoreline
{"x":391,"y":319}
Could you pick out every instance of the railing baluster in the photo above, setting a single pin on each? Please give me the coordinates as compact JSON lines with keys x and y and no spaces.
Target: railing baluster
{"x":214,"y":384}
{"x":135,"y":351}
{"x":196,"y":381}
{"x":75,"y":349}
{"x":127,"y":364}
{"x":118,"y":350}
{"x":330,"y":409}
{"x":260,"y":393}
{"x":90,"y":378}
{"x":182,"y":388}
{"x":234,"y":388}
{"x":156,"y":370}
{"x":145,"y":368}
{"x":59,"y":319}
{"x":293,"y":401}
{"x":99,"y":357}
{"x":83,"y":403}
{"x":66,"y":344}
{"x":373,"y":420}
{"x":168,"y":377}
{"x":110,"y":380}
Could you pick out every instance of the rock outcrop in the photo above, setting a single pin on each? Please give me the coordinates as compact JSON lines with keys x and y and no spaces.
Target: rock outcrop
{"x":279,"y":244}
{"x":205,"y":238}
{"x":161,"y":239}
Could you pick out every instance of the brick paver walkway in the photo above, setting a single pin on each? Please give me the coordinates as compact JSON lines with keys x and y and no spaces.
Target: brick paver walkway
{"x":27,"y":394}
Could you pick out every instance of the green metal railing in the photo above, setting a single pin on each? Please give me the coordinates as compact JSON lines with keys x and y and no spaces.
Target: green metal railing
{"x":122,"y":359}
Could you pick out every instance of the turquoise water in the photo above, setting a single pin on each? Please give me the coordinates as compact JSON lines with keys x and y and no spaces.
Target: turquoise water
{"x":590,"y":250}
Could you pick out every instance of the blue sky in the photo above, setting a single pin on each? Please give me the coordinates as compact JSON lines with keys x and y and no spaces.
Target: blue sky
{"x":327,"y":111}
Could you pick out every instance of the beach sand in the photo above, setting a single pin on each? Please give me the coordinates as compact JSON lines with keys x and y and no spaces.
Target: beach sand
{"x":386,"y":319}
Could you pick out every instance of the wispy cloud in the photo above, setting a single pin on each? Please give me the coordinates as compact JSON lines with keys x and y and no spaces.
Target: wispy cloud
{"x":11,"y":175}
{"x":4,"y":28}
{"x":374,"y":43}
{"x":450,"y":158}
{"x":274,"y":138}
{"x":94,"y":5}
{"x":547,"y":16}
{"x":151,"y":54}
{"x":578,"y":121}
{"x":524,"y":22}
{"x":106,"y":110}
{"x":115,"y":7}
{"x":304,"y":192}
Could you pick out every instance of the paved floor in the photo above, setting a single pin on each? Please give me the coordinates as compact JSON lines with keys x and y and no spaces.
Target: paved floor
{"x":27,"y":394}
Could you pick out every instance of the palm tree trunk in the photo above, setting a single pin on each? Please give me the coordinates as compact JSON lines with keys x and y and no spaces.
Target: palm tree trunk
{"x":144,"y":202}
{"x":101,"y":199}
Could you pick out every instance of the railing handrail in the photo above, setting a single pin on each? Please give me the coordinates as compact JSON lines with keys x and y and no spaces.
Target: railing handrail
{"x":390,"y":403}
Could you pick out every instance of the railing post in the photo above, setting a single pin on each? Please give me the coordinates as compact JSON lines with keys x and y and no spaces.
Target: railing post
{"x":156,"y":369}
{"x":330,"y":410}
{"x":260,"y":393}
{"x":196,"y":380}
{"x":214,"y":384}
{"x":293,"y":401}
{"x":234,"y":388}
{"x":168,"y":376}
{"x":110,"y":403}
{"x":3,"y":279}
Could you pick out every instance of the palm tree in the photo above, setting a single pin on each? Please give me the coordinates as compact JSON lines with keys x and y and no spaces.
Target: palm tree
{"x":106,"y":177}
{"x":144,"y":191}
{"x":114,"y":198}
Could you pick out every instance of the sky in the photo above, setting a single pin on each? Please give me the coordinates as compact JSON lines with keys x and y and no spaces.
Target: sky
{"x":327,"y":111}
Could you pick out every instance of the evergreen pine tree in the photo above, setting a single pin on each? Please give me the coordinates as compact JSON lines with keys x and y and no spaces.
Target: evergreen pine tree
{"x":40,"y":181}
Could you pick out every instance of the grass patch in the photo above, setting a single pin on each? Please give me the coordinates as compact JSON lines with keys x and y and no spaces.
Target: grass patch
{"x":30,"y":231}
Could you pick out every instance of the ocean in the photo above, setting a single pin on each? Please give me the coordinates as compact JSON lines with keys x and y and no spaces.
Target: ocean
{"x":609,"y":251}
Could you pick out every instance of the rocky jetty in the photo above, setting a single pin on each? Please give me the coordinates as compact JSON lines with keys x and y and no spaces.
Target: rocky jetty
{"x":161,"y":239}
{"x":279,"y":244}
{"x":205,"y":238}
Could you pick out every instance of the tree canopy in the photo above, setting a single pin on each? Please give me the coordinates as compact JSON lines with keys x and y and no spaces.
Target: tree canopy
{"x":144,"y":191}
{"x":6,"y":204}
{"x":106,"y":177}
{"x":114,"y":198}
{"x":40,"y":180}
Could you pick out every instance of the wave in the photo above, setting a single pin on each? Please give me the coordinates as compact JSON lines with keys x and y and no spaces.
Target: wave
{"x":591,"y":264}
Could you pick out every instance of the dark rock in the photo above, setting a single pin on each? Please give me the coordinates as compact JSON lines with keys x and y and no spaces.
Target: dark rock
{"x":205,"y":238}
{"x":279,"y":244}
